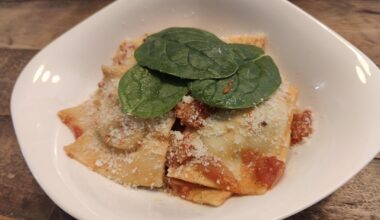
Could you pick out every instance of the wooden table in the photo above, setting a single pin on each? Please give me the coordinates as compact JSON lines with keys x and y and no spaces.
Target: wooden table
{"x":26,"y":26}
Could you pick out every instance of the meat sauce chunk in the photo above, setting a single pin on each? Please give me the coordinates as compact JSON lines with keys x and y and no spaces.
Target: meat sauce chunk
{"x":301,"y":127}
{"x":192,"y":113}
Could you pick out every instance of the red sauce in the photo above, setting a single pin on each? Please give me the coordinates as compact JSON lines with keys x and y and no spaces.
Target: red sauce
{"x":265,"y":170}
{"x":192,"y":114}
{"x":69,"y":122}
{"x":301,"y":127}
{"x":180,"y":187}
{"x":180,"y":152}
{"x":77,"y":131}
{"x":219,"y":174}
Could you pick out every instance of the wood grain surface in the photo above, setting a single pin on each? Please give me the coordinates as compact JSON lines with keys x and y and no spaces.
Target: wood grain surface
{"x":26,"y":26}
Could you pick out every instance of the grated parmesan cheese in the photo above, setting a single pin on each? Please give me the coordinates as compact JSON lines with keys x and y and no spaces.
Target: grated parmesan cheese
{"x":187,"y":99}
{"x":98,"y":163}
{"x":200,"y":149}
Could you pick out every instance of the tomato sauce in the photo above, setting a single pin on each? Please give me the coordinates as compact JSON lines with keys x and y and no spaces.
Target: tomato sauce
{"x":77,"y":131}
{"x":219,"y":174}
{"x":266,"y":170}
{"x":180,"y":152}
{"x":74,"y":128}
{"x":301,"y":127}
{"x":180,"y":187}
{"x":193,"y":113}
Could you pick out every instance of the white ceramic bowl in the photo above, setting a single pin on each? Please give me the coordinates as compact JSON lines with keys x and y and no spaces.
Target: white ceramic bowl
{"x":339,"y":82}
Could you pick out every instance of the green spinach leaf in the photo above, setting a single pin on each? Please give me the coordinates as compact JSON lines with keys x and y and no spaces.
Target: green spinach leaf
{"x":146,"y":94}
{"x":254,"y":82}
{"x":187,"y":53}
{"x":246,"y":52}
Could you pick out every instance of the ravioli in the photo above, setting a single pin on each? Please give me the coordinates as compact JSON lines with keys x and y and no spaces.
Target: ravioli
{"x":126,"y":149}
{"x":220,"y":153}
{"x":241,"y":151}
{"x":223,"y":154}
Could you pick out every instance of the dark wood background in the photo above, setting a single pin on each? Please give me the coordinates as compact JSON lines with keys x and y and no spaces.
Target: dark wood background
{"x":26,"y":26}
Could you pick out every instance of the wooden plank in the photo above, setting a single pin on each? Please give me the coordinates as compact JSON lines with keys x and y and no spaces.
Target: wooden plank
{"x":356,"y":20}
{"x":6,"y":218}
{"x":11,"y":63}
{"x":59,"y":214}
{"x":20,"y":195}
{"x":33,"y":24}
{"x":358,"y":199}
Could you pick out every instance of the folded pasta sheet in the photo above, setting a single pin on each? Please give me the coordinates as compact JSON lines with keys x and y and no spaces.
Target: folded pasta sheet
{"x":241,"y":151}
{"x":197,"y":193}
{"x":128,"y":150}
{"x":144,"y":167}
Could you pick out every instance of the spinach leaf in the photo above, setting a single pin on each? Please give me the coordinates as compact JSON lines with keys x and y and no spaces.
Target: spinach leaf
{"x":254,"y":82}
{"x":146,"y":94}
{"x":187,"y":53}
{"x":246,"y":52}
